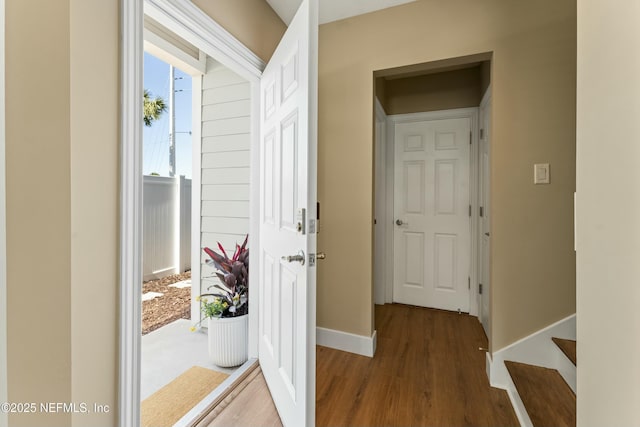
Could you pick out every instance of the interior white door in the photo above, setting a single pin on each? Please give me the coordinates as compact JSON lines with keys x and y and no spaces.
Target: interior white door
{"x":287,"y":318}
{"x":432,"y":246}
{"x":485,"y":212}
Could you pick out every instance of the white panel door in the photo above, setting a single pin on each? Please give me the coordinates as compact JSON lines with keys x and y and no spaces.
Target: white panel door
{"x":485,"y":223}
{"x":431,"y":205}
{"x":288,"y":115}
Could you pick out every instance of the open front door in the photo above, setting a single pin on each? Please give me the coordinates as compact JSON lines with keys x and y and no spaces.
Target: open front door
{"x":287,"y":319}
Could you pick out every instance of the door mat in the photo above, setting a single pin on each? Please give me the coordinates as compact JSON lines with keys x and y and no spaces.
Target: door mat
{"x":167,"y":405}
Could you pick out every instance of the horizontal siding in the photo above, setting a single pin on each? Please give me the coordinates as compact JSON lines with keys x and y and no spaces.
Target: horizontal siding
{"x":226,"y":208}
{"x":226,"y":140}
{"x":220,"y":76}
{"x":226,"y":175}
{"x":229,"y":159}
{"x":225,"y":192}
{"x":231,"y":93}
{"x":219,"y":144}
{"x":225,"y":225}
{"x":226,"y":110}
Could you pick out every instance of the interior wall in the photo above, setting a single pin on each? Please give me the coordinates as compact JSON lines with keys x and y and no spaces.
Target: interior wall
{"x":253,"y":22}
{"x":533,"y":86}
{"x":94,"y":214}
{"x":434,"y":92}
{"x":608,"y":213}
{"x":38,"y":207}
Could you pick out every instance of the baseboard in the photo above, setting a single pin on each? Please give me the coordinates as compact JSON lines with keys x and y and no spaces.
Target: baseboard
{"x":358,"y":344}
{"x":535,"y":349}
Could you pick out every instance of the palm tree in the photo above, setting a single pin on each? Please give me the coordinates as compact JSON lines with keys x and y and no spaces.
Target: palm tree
{"x":153,"y":108}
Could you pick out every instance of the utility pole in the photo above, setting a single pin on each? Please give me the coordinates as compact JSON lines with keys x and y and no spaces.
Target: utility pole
{"x":172,"y":122}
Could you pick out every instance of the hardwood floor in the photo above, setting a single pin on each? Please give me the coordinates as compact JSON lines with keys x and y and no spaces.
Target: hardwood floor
{"x":427,"y":371}
{"x":248,"y":404}
{"x":547,"y":397}
{"x":568,"y":347}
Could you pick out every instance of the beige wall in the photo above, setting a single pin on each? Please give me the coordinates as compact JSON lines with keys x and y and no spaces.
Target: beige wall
{"x":608,"y":213}
{"x":433,"y":92}
{"x":38,"y":206}
{"x":94,"y":206}
{"x":533,"y":81}
{"x":253,"y":22}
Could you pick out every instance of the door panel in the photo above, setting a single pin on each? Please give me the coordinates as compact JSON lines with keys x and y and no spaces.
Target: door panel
{"x":432,"y":233}
{"x":287,"y":212}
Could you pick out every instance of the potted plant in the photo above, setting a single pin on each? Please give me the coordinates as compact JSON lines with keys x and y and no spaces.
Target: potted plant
{"x":226,"y":307}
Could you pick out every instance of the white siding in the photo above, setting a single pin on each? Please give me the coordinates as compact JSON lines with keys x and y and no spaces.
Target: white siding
{"x":225,"y":161}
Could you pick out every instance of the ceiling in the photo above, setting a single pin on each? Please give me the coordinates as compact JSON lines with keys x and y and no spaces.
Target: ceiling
{"x":333,"y":10}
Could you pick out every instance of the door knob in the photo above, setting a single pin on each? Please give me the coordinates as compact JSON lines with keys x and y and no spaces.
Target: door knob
{"x":320,"y":255}
{"x":291,"y":258}
{"x":401,"y":222}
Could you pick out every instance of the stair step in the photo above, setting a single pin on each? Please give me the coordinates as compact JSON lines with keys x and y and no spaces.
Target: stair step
{"x":568,"y":347}
{"x":545,"y":394}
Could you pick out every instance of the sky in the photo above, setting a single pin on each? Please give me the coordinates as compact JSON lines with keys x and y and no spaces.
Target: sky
{"x":156,"y":137}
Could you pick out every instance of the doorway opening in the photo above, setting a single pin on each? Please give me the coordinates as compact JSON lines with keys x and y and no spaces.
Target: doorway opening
{"x":432,"y":163}
{"x":200,"y":149}
{"x":223,"y":93}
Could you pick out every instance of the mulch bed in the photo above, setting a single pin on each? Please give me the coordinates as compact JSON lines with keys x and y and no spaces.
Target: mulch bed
{"x":174,"y":304}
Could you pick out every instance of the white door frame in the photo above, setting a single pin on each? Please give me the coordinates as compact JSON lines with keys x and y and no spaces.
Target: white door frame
{"x":190,"y":23}
{"x":484,"y":103}
{"x":392,"y":120}
{"x":3,"y":235}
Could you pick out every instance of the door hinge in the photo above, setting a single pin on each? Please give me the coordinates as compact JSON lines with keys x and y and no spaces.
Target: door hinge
{"x":481,"y":133}
{"x":469,"y":282}
{"x":470,"y":136}
{"x":469,"y":210}
{"x":481,"y":211}
{"x":480,"y":288}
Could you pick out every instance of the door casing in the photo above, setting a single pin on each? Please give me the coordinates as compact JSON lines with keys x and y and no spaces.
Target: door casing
{"x":190,"y":23}
{"x":387,"y":228}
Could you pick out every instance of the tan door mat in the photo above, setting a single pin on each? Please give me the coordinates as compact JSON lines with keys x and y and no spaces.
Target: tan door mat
{"x":167,"y":405}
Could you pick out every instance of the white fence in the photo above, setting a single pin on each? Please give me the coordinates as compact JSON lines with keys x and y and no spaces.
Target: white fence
{"x":166,"y":226}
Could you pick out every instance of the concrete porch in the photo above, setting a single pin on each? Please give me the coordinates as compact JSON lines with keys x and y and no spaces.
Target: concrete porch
{"x":171,"y":350}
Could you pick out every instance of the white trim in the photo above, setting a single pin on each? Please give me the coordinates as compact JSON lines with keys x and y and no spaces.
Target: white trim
{"x":130,"y":213}
{"x":536,"y":349}
{"x":189,"y":22}
{"x":196,"y":190}
{"x":254,"y":221}
{"x":472,"y":114}
{"x":381,"y":296}
{"x":358,"y":344}
{"x":486,"y":99}
{"x":4,"y":422}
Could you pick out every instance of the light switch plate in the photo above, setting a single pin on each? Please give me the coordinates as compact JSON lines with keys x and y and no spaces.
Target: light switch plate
{"x":541,"y":173}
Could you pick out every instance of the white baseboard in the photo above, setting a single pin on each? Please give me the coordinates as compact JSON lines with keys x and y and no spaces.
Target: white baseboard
{"x":358,"y":344}
{"x":536,"y":349}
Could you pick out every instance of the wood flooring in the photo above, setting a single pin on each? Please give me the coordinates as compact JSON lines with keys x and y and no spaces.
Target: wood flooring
{"x":547,"y":397}
{"x":427,"y":371}
{"x":568,"y":347}
{"x":248,"y":404}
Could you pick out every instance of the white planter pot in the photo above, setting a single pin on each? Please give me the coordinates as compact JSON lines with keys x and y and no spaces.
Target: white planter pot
{"x":228,"y":340}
